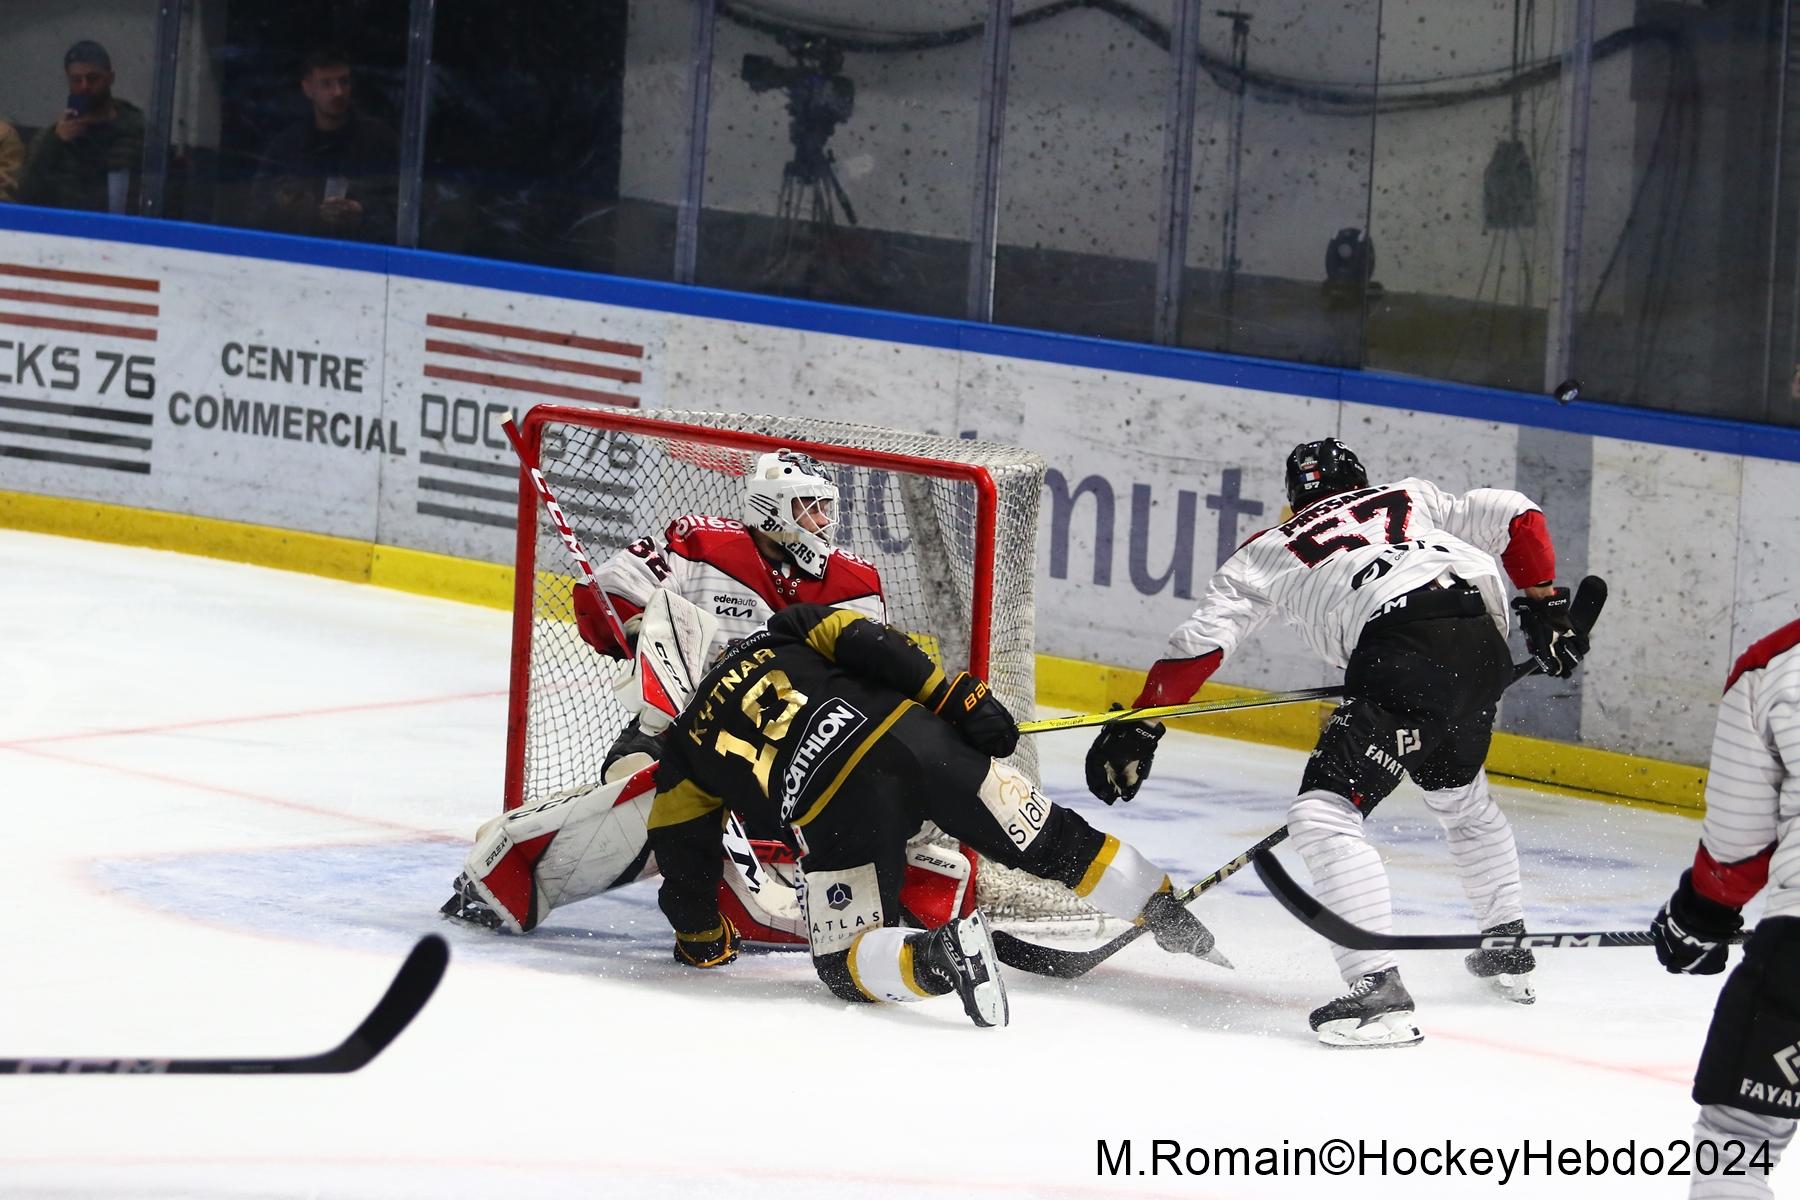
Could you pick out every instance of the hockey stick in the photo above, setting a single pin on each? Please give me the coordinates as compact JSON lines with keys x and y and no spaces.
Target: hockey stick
{"x":412,"y":987}
{"x":1584,"y":610}
{"x":1192,"y":708}
{"x":1333,"y":928}
{"x":1022,"y":955}
{"x":570,"y":542}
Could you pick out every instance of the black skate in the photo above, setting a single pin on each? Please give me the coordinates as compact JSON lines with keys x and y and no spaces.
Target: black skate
{"x":1508,"y":972}
{"x":466,"y":906}
{"x":961,"y":955}
{"x":1179,"y":931}
{"x":1377,"y":1011}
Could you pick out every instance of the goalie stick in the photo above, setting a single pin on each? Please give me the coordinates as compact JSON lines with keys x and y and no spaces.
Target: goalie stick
{"x":1584,"y":611}
{"x":406,"y":995}
{"x":1333,"y":928}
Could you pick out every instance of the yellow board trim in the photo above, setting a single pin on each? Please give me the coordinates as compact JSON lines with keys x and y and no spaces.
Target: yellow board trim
{"x":1061,"y":682}
{"x":1585,"y":771}
{"x":1090,"y":879}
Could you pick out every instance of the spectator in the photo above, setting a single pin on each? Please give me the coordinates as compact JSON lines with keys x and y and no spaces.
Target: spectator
{"x":12,"y":162}
{"x":334,"y":173}
{"x":90,"y":157}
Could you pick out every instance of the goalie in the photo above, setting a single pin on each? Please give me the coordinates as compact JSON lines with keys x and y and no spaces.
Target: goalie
{"x":734,"y":576}
{"x":841,"y":731}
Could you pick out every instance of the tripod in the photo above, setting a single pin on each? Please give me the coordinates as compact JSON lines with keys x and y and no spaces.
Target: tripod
{"x":805,"y":257}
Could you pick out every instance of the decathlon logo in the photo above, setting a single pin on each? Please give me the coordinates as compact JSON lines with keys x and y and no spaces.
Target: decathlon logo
{"x":839,"y":895}
{"x":1784,"y":1058}
{"x":1407,"y":740}
{"x":829,"y":730}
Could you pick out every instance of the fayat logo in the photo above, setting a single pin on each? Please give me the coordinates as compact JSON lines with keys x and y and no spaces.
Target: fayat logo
{"x":1784,"y":1058}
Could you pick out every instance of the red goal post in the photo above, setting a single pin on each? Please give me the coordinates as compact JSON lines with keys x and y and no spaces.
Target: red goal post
{"x":951,"y":524}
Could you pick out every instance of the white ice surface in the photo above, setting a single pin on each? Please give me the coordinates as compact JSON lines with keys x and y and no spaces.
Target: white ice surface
{"x":234,"y":797}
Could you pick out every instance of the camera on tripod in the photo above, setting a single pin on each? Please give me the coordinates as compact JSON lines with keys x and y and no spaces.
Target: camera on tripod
{"x":819,"y":97}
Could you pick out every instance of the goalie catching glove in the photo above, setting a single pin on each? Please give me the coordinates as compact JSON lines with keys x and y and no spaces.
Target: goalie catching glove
{"x":1551,"y":638}
{"x":1119,"y":760}
{"x":1693,"y":932}
{"x":968,"y":704}
{"x":713,"y":948}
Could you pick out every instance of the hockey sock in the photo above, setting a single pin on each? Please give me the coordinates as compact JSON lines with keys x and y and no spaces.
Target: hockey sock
{"x":1347,"y":874}
{"x":883,"y":967}
{"x":1119,"y":881}
{"x":1722,"y":1125}
{"x":1481,"y":842}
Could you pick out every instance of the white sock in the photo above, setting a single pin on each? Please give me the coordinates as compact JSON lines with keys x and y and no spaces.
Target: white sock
{"x":1481,"y":842}
{"x":1720,"y":1124}
{"x":1347,"y":874}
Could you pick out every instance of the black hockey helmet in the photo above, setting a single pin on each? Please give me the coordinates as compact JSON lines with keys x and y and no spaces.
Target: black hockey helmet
{"x":1319,"y":469}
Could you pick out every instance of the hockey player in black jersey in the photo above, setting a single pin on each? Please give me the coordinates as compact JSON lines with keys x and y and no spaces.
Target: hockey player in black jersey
{"x":842,"y":731}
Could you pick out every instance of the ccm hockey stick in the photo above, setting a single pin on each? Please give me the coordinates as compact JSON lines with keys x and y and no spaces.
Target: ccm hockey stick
{"x":1333,"y":928}
{"x":1584,"y":610}
{"x":411,"y":988}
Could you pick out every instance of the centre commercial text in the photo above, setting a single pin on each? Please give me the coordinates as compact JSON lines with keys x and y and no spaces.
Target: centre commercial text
{"x":291,"y":422}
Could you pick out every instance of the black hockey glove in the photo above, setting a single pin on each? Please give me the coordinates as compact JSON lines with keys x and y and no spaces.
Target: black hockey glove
{"x":632,"y":739}
{"x":1556,"y":644}
{"x":982,"y":721}
{"x":714,"y":948}
{"x":1119,"y":760}
{"x":1692,"y":932}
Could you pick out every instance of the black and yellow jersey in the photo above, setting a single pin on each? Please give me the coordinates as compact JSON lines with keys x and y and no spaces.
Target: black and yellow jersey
{"x":774,"y":729}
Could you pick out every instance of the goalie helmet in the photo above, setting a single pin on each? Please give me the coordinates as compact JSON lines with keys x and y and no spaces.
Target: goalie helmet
{"x":789,"y":498}
{"x":1319,"y":469}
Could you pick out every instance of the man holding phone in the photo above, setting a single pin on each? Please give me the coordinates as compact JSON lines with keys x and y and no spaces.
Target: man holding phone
{"x":334,"y":173}
{"x":90,"y":157}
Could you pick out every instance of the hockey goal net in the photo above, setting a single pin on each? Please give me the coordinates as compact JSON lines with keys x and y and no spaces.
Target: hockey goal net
{"x":951,"y":524}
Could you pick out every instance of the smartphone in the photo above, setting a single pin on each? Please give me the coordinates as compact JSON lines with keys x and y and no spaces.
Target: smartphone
{"x":78,"y":103}
{"x":336,"y":187}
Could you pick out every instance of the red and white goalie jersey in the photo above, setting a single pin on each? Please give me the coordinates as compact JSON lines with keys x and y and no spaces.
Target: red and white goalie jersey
{"x":1337,"y":562}
{"x":1750,"y":838}
{"x":714,"y":563}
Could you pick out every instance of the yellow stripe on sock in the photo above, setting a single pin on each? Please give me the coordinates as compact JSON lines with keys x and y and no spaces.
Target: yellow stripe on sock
{"x":1091,"y":879}
{"x":907,"y":975}
{"x":851,"y":963}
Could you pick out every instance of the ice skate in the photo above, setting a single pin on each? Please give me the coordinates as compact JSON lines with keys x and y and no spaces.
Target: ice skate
{"x":1179,"y":931}
{"x":468,"y":907}
{"x":1507,"y":972}
{"x":962,"y":955}
{"x":1377,"y":1011}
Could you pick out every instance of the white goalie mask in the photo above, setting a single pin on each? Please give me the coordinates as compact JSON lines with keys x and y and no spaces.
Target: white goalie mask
{"x":789,"y":497}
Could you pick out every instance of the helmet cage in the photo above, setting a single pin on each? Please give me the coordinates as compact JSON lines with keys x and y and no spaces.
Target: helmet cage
{"x":783,"y":485}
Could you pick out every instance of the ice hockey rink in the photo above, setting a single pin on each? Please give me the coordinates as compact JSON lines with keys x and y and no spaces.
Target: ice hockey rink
{"x":237,"y":796}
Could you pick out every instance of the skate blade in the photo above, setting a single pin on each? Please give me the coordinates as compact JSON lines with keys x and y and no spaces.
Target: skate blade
{"x":1514,"y":988}
{"x":986,"y":1002}
{"x":1391,"y":1029}
{"x":1217,"y":959}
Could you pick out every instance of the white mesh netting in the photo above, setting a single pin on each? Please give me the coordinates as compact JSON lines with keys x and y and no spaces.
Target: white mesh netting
{"x":616,"y":484}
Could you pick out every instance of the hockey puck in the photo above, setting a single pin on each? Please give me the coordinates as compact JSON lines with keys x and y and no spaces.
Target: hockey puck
{"x":1568,"y":390}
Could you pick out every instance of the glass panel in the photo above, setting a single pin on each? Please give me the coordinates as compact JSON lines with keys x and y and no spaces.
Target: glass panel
{"x":1468,"y":171}
{"x":1283,"y":119}
{"x":75,"y":85}
{"x":1679,"y":254}
{"x":1082,"y":168}
{"x":840,"y":140}
{"x":287,"y":117}
{"x":529,"y":132}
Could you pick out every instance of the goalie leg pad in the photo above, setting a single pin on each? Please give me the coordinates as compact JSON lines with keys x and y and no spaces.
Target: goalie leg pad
{"x":1752,"y":1055}
{"x":1327,"y":830}
{"x":939,"y":885}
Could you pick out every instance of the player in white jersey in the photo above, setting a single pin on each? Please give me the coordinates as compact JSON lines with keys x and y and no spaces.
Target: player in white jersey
{"x":1748,"y":1081}
{"x":1398,"y":585}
